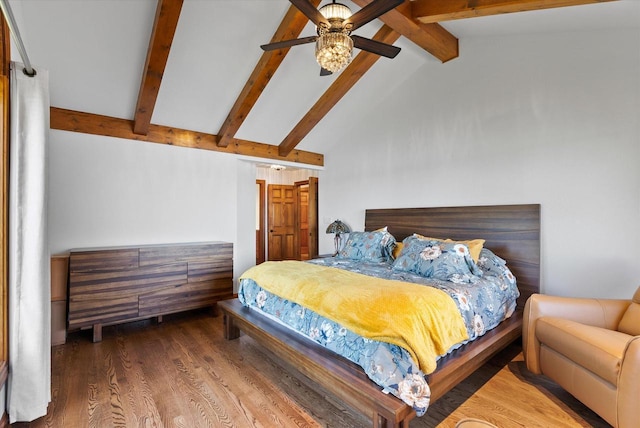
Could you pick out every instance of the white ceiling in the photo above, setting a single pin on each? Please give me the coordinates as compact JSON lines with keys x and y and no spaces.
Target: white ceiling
{"x":95,"y":52}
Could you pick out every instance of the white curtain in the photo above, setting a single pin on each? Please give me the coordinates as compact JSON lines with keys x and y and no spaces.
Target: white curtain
{"x":29,"y":383}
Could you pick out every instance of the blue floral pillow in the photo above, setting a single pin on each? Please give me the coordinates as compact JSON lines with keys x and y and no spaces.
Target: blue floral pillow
{"x":495,"y":266}
{"x":374,"y":246}
{"x":447,"y":261}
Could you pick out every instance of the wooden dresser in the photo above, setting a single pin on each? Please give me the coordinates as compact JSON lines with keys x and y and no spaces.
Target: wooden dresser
{"x":113,"y":285}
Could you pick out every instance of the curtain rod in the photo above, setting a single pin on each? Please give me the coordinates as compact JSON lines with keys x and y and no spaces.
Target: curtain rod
{"x":13,"y":28}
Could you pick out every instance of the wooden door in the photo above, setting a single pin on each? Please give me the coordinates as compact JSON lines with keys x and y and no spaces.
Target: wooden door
{"x":308,"y":218}
{"x":303,"y":219}
{"x":282,"y":211}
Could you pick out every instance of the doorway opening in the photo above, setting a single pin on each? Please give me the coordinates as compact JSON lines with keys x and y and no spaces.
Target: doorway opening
{"x":288,"y":209}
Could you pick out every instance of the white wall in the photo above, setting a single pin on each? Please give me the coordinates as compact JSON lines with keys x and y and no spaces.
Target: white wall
{"x":549,"y":119}
{"x":245,"y":244}
{"x":285,"y":176}
{"x":108,"y":191}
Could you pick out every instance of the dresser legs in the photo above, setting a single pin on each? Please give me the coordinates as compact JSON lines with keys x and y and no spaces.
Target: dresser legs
{"x":97,"y":333}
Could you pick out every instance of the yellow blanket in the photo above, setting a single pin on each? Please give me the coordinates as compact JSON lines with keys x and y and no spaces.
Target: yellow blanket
{"x":423,"y":320}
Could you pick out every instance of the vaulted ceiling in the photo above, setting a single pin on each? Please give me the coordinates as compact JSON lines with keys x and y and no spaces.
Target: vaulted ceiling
{"x":182,"y":35}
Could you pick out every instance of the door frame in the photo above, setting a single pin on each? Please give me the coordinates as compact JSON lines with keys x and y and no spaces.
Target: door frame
{"x":299,"y":186}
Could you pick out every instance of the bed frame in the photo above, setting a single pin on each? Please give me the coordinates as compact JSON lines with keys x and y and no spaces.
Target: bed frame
{"x":511,"y":231}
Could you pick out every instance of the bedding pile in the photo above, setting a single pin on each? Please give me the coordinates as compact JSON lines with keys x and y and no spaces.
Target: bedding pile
{"x":392,"y":308}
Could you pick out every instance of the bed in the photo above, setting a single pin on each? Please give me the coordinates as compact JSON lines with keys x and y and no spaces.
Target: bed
{"x":512,"y":232}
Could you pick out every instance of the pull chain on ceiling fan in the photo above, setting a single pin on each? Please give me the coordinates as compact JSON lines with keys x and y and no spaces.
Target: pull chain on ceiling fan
{"x":334,"y":24}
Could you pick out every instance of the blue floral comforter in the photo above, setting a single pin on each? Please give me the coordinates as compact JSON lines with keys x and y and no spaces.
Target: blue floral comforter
{"x":483,"y":304}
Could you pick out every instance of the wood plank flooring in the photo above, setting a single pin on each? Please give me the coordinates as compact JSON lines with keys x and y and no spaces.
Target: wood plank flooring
{"x":182,"y":373}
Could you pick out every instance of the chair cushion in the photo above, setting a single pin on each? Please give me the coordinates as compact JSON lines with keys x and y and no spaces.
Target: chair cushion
{"x":596,"y":349}
{"x":630,"y":322}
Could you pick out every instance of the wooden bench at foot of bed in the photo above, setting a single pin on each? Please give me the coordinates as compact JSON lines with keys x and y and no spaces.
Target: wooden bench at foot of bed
{"x":346,"y":380}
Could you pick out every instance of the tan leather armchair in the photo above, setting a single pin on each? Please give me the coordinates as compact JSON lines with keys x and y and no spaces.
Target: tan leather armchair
{"x":590,"y":347}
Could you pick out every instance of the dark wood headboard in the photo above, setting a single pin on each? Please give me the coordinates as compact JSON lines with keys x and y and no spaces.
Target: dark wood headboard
{"x":510,"y":231}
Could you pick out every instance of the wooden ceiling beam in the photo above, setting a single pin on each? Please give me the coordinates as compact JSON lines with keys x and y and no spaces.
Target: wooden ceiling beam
{"x":430,"y":11}
{"x":164,"y":28}
{"x":290,"y":28}
{"x":431,"y":37}
{"x":343,"y":83}
{"x":87,"y":123}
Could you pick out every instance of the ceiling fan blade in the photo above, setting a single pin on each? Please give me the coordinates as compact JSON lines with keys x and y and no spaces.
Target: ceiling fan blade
{"x":288,"y":43}
{"x":310,"y":11}
{"x":371,"y":11}
{"x":375,"y":47}
{"x":325,"y":72}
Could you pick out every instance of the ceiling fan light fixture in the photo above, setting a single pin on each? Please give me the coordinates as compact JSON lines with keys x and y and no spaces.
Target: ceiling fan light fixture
{"x":334,"y":24}
{"x":335,"y":10}
{"x":333,"y":50}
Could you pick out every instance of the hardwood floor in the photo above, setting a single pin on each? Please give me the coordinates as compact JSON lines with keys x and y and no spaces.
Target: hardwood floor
{"x":182,"y":373}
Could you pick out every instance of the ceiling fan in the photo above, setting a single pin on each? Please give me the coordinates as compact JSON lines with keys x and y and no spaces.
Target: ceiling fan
{"x":334,"y":24}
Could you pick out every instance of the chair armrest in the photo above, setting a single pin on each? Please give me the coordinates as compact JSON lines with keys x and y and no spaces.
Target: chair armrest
{"x":629,"y":385}
{"x":604,"y":313}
